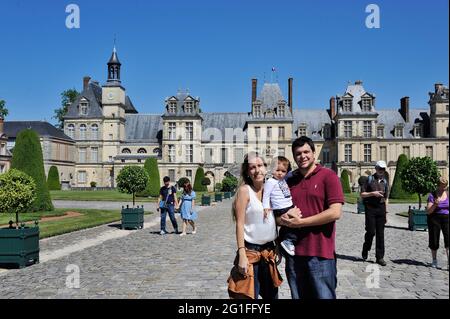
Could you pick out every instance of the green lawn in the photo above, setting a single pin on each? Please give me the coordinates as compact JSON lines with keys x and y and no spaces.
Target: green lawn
{"x":90,"y":218}
{"x":111,"y":196}
{"x":352,"y":198}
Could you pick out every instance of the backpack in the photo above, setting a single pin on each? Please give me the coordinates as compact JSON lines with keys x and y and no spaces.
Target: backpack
{"x":371,"y":200}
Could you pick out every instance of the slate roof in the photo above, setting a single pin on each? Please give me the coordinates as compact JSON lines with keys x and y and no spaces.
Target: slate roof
{"x":44,"y":129}
{"x":391,"y":117}
{"x":270,"y":95}
{"x":315,"y":119}
{"x":217,"y":123}
{"x":142,"y":127}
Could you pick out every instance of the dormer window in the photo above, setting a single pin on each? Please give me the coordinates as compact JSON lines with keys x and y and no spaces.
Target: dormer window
{"x":189,"y":107}
{"x":366,"y":105}
{"x":172,"y":107}
{"x":380,"y":131}
{"x":398,"y":131}
{"x":302,"y":130}
{"x":281,"y":110}
{"x":418,"y":130}
{"x":347,"y":105}
{"x":84,"y":107}
{"x":142,"y":151}
{"x":327,"y":132}
{"x":257,"y":111}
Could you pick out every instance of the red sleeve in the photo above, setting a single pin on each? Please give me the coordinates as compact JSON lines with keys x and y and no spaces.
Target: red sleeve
{"x":333,"y":189}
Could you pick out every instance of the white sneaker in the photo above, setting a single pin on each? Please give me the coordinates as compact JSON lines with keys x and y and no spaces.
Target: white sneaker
{"x":288,"y":246}
{"x":182,"y":234}
{"x":434,"y":264}
{"x":162,"y":232}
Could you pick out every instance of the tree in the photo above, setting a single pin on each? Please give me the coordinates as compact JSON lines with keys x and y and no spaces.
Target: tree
{"x":206,"y":181}
{"x":199,"y":176}
{"x":183,"y":181}
{"x":420,"y":175}
{"x":229,"y":183}
{"x":345,"y":182}
{"x":67,"y":98}
{"x":132,"y":180}
{"x":218,"y":187}
{"x":3,"y":110}
{"x":397,"y":190}
{"x":27,"y":157}
{"x":53,"y":179}
{"x":17,"y":193}
{"x":154,"y":184}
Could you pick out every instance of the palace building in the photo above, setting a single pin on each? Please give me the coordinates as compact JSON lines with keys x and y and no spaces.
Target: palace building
{"x":352,"y":133}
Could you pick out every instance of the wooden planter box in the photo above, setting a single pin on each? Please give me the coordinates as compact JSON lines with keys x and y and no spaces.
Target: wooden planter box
{"x":227,"y":195}
{"x":133,"y":218}
{"x":19,"y":246}
{"x":417,"y":219}
{"x":206,"y":200}
{"x":218,"y":197}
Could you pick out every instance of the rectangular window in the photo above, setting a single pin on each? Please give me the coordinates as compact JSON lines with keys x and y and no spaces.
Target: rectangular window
{"x":190,"y":131}
{"x":348,"y":129}
{"x":172,"y":175}
{"x":82,"y":177}
{"x":171,"y":153}
{"x":84,"y":108}
{"x":224,"y":155}
{"x":269,"y":132}
{"x":257,"y":132}
{"x":367,"y":128}
{"x":327,"y":131}
{"x":2,"y":168}
{"x":281,"y":111}
{"x":94,"y":154}
{"x":173,"y":107}
{"x":348,"y":153}
{"x":406,"y":151}
{"x":366,"y":105}
{"x":189,"y":107}
{"x":110,"y":158}
{"x":82,"y":155}
{"x":302,"y":131}
{"x":367,"y":153}
{"x":383,"y":153}
{"x":208,"y":155}
{"x":281,"y":132}
{"x":257,"y":111}
{"x":326,"y":155}
{"x":380,"y":131}
{"x":189,"y":153}
{"x":429,"y":151}
{"x":172,"y":130}
{"x":418,"y":131}
{"x":189,"y":174}
{"x":398,"y":131}
{"x":238,"y":155}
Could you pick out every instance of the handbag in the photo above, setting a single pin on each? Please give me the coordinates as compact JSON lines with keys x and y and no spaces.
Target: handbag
{"x":163,"y":203}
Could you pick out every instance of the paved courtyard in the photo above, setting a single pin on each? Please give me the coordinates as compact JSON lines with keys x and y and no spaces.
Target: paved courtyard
{"x":115,"y":263}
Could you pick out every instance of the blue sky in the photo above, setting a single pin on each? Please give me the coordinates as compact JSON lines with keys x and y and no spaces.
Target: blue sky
{"x":215,"y":47}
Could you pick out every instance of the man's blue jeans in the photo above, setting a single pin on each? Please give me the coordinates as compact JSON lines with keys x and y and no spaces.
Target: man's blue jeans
{"x":311,"y":277}
{"x":171,"y":209}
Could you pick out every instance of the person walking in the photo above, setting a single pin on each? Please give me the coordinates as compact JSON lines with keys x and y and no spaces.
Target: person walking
{"x":167,"y":202}
{"x":317,"y":192}
{"x":437,"y":210}
{"x":187,"y":212}
{"x":255,"y":270}
{"x":375,"y":192}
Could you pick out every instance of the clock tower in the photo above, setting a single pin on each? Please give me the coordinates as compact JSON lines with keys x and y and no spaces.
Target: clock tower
{"x":114,"y":105}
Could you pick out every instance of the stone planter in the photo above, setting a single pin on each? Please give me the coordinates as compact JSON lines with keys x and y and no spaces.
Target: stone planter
{"x":417,"y":219}
{"x":19,"y":246}
{"x":227,"y":195}
{"x":206,"y":200}
{"x":133,"y":218}
{"x":218,"y":197}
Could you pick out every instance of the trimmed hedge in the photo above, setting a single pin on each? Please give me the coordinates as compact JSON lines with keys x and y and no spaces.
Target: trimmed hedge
{"x":53,"y":179}
{"x":27,"y":157}
{"x":345,"y":182}
{"x":199,"y":176}
{"x":397,"y":190}
{"x":154,"y":182}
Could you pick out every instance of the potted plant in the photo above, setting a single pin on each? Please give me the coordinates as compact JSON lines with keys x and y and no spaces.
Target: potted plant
{"x":421,"y":176}
{"x":18,"y":245}
{"x":94,"y":186}
{"x":132,"y":180}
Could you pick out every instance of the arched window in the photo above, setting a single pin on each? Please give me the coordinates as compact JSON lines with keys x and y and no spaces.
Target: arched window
{"x":82,"y":131}
{"x":142,"y":151}
{"x":126,"y":151}
{"x":94,"y":132}
{"x":71,"y":130}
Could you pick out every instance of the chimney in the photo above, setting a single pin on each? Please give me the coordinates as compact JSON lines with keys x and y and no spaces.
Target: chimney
{"x":332,"y":107}
{"x":404,"y":108}
{"x":437,"y":87}
{"x":254,"y":83}
{"x":86,"y":80}
{"x":290,"y":81}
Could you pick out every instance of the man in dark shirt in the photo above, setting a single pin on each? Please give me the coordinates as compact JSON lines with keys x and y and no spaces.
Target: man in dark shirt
{"x":375,"y":195}
{"x":167,"y":202}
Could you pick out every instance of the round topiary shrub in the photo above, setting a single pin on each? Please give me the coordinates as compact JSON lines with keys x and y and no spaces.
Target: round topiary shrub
{"x":132,"y":180}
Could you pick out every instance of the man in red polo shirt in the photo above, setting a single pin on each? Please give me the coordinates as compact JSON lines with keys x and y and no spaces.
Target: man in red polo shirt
{"x":317,"y":192}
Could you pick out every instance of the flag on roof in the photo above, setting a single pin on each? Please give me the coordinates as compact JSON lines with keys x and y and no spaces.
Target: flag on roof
{"x":273,"y":69}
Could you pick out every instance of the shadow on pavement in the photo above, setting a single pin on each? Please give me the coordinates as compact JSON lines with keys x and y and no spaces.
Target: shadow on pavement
{"x":351,"y":258}
{"x":396,"y":227}
{"x":410,"y":262}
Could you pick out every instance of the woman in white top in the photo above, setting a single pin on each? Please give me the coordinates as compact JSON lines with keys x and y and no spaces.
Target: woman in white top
{"x":253,"y":232}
